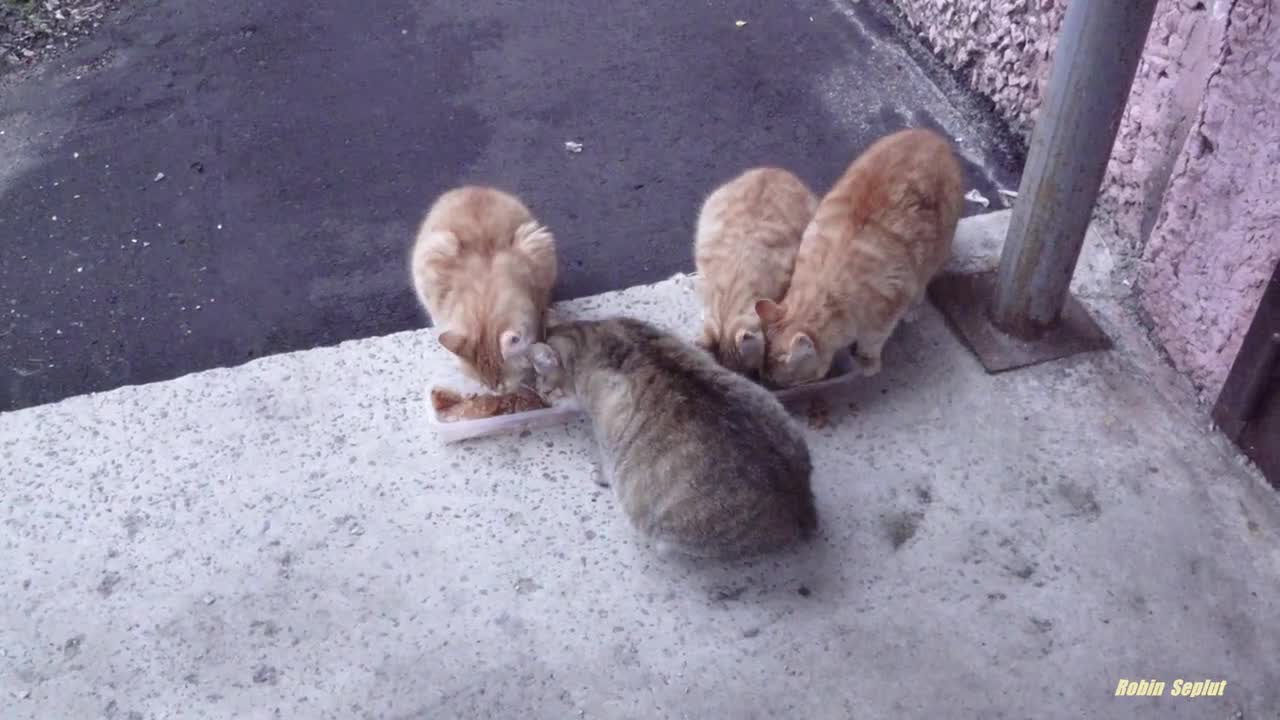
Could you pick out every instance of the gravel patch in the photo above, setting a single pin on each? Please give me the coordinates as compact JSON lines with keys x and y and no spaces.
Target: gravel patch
{"x":34,"y":30}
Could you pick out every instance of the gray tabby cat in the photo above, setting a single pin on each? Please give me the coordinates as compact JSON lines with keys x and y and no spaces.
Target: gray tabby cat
{"x":704,"y":461}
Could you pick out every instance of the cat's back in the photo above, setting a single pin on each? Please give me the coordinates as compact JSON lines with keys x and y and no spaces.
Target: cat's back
{"x":682,"y":404}
{"x":703,"y":458}
{"x":483,"y":220}
{"x":897,"y":205}
{"x":475,"y":240}
{"x":766,"y":206}
{"x":906,"y":176}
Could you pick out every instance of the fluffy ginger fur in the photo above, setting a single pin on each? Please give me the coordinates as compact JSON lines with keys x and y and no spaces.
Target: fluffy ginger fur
{"x":483,"y":268}
{"x":878,"y":237}
{"x":748,"y":233}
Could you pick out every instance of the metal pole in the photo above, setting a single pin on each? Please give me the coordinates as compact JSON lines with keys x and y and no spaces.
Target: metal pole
{"x":1093,"y":67}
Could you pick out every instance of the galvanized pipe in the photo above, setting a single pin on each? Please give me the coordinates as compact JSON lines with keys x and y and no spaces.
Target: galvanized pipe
{"x":1093,"y":67}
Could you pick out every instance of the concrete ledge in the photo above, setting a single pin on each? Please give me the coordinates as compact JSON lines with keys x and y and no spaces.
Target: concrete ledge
{"x":287,"y":539}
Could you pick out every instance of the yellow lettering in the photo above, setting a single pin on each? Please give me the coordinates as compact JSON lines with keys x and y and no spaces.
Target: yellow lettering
{"x":1177,"y":687}
{"x":1157,"y":689}
{"x":1120,"y":687}
{"x":1222,"y":688}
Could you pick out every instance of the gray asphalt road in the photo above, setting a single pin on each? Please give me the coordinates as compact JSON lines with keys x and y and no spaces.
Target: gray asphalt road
{"x":204,"y":183}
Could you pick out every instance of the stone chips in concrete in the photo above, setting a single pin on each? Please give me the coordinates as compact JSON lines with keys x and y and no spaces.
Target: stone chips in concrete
{"x":287,"y":539}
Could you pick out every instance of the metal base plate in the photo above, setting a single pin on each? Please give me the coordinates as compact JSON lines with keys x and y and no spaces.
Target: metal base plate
{"x":965,"y":299}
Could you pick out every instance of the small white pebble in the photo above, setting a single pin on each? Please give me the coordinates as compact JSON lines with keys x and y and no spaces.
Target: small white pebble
{"x":159,"y":177}
{"x":75,"y":156}
{"x":54,"y":218}
{"x":219,"y":226}
{"x":209,"y":599}
{"x":133,"y":240}
{"x":80,"y":269}
{"x":573,"y":146}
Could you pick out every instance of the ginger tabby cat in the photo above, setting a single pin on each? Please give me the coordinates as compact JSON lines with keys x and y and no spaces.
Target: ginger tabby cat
{"x":483,"y":267}
{"x":748,"y":233}
{"x":878,"y":237}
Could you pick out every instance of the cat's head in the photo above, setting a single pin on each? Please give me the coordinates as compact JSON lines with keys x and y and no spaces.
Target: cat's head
{"x":496,"y":358}
{"x":739,"y":345}
{"x":793,"y":353}
{"x":551,"y":379}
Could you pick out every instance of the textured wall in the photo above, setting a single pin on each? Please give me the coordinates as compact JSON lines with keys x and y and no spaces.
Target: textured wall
{"x":1002,"y":47}
{"x":1215,"y":244}
{"x":1192,"y":175}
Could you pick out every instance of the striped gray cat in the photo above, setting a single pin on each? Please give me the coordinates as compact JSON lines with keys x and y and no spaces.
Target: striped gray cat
{"x":704,"y":461}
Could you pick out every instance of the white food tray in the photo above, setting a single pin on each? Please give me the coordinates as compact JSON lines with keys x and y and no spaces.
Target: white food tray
{"x":566,"y":411}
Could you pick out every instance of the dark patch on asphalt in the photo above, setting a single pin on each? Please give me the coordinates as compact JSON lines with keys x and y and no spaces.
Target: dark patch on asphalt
{"x":230,"y":180}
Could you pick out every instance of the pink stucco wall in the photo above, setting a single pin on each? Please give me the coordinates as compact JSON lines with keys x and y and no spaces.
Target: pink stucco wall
{"x":1192,"y":178}
{"x":1216,"y":243}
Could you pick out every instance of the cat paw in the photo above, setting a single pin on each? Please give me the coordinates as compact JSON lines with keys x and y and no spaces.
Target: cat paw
{"x":869,"y":366}
{"x":598,"y":477}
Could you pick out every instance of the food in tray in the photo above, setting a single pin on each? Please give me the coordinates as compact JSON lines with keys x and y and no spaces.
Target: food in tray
{"x":452,"y":406}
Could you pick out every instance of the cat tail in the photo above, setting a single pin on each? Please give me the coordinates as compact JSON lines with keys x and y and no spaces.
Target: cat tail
{"x":535,"y":242}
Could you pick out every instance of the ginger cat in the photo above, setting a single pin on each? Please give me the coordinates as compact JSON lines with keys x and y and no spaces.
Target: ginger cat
{"x":703,"y":461}
{"x":483,"y":268}
{"x":878,"y":237}
{"x":748,"y":233}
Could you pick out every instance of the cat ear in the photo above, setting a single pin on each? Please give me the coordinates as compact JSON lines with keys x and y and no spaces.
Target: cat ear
{"x":513,"y":343}
{"x":545,"y":360}
{"x":802,"y":348}
{"x":453,"y":341}
{"x":769,"y":312}
{"x":750,"y":346}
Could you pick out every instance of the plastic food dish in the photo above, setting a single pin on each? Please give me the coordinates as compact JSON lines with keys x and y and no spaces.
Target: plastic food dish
{"x":566,"y":411}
